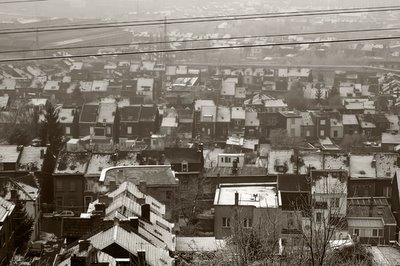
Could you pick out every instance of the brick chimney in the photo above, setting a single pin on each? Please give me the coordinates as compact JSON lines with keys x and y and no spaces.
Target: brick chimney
{"x":134,"y":223}
{"x":84,"y":245}
{"x":236,"y":198}
{"x":113,"y":185}
{"x":371,"y":206}
{"x":104,"y":199}
{"x":14,"y":195}
{"x":146,"y":212}
{"x":141,"y":257}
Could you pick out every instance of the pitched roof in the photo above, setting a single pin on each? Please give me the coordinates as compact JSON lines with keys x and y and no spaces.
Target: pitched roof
{"x":131,"y":242}
{"x":32,"y":158}
{"x":9,"y":153}
{"x":349,"y":120}
{"x":148,"y":113}
{"x":89,"y":112}
{"x":130,"y":113}
{"x":390,"y":138}
{"x":293,"y":183}
{"x":6,"y":208}
{"x":178,"y":155}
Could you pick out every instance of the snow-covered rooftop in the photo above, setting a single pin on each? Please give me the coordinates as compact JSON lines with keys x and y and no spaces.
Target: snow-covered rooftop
{"x":257,"y":195}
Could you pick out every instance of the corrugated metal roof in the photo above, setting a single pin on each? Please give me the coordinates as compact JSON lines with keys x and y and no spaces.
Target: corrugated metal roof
{"x":370,"y":223}
{"x":6,"y":207}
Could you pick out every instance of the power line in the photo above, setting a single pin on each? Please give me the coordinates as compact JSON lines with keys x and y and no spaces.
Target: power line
{"x":21,"y":1}
{"x":138,"y":23}
{"x":199,"y":49}
{"x":202,"y":40}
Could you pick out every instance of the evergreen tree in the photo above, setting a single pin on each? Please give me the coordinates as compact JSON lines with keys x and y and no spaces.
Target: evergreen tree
{"x":116,"y":130}
{"x":22,"y":227}
{"x":51,"y":130}
{"x":318,"y":93}
{"x":19,"y":135}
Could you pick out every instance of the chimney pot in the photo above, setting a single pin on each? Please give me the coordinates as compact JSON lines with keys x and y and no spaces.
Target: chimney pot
{"x":236,"y":198}
{"x":84,"y":245}
{"x":141,"y":257}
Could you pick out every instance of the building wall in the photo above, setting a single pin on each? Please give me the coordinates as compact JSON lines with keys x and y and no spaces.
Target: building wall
{"x":268,"y":218}
{"x":339,"y":132}
{"x":6,"y":241}
{"x":68,"y":192}
{"x":293,"y":126}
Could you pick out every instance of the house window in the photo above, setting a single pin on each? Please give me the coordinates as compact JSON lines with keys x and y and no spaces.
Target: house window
{"x":67,"y":130}
{"x":72,"y":186}
{"x":226,"y":222}
{"x":88,"y":199}
{"x":322,"y":122}
{"x":168,"y":195}
{"x":308,"y":133}
{"x":292,"y":132}
{"x":91,"y":130}
{"x":380,"y":232}
{"x":387,"y":191}
{"x":184,"y":184}
{"x":184,"y":167}
{"x":319,"y":217}
{"x":322,"y":133}
{"x":108,"y":130}
{"x":59,"y":185}
{"x":227,"y":159}
{"x":247,"y":223}
{"x":293,"y":121}
{"x":59,"y":202}
{"x":356,"y":232}
{"x":335,"y":202}
{"x":374,"y":232}
{"x":72,"y":202}
{"x":129,"y":130}
{"x":335,"y":134}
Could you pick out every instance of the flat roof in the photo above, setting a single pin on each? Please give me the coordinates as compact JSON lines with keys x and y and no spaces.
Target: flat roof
{"x":261,"y":195}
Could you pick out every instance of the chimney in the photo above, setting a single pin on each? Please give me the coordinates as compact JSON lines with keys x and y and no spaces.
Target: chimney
{"x":134,"y":223}
{"x":371,"y":206}
{"x":104,"y":199}
{"x":373,"y":163}
{"x":78,"y":261}
{"x":120,"y":174}
{"x":236,"y":198}
{"x":14,"y":195}
{"x":146,"y":212}
{"x":84,"y":245}
{"x":141,"y":257}
{"x":113,"y":185}
{"x":235,"y":167}
{"x":143,"y":186}
{"x":41,"y":153}
{"x":141,"y":201}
